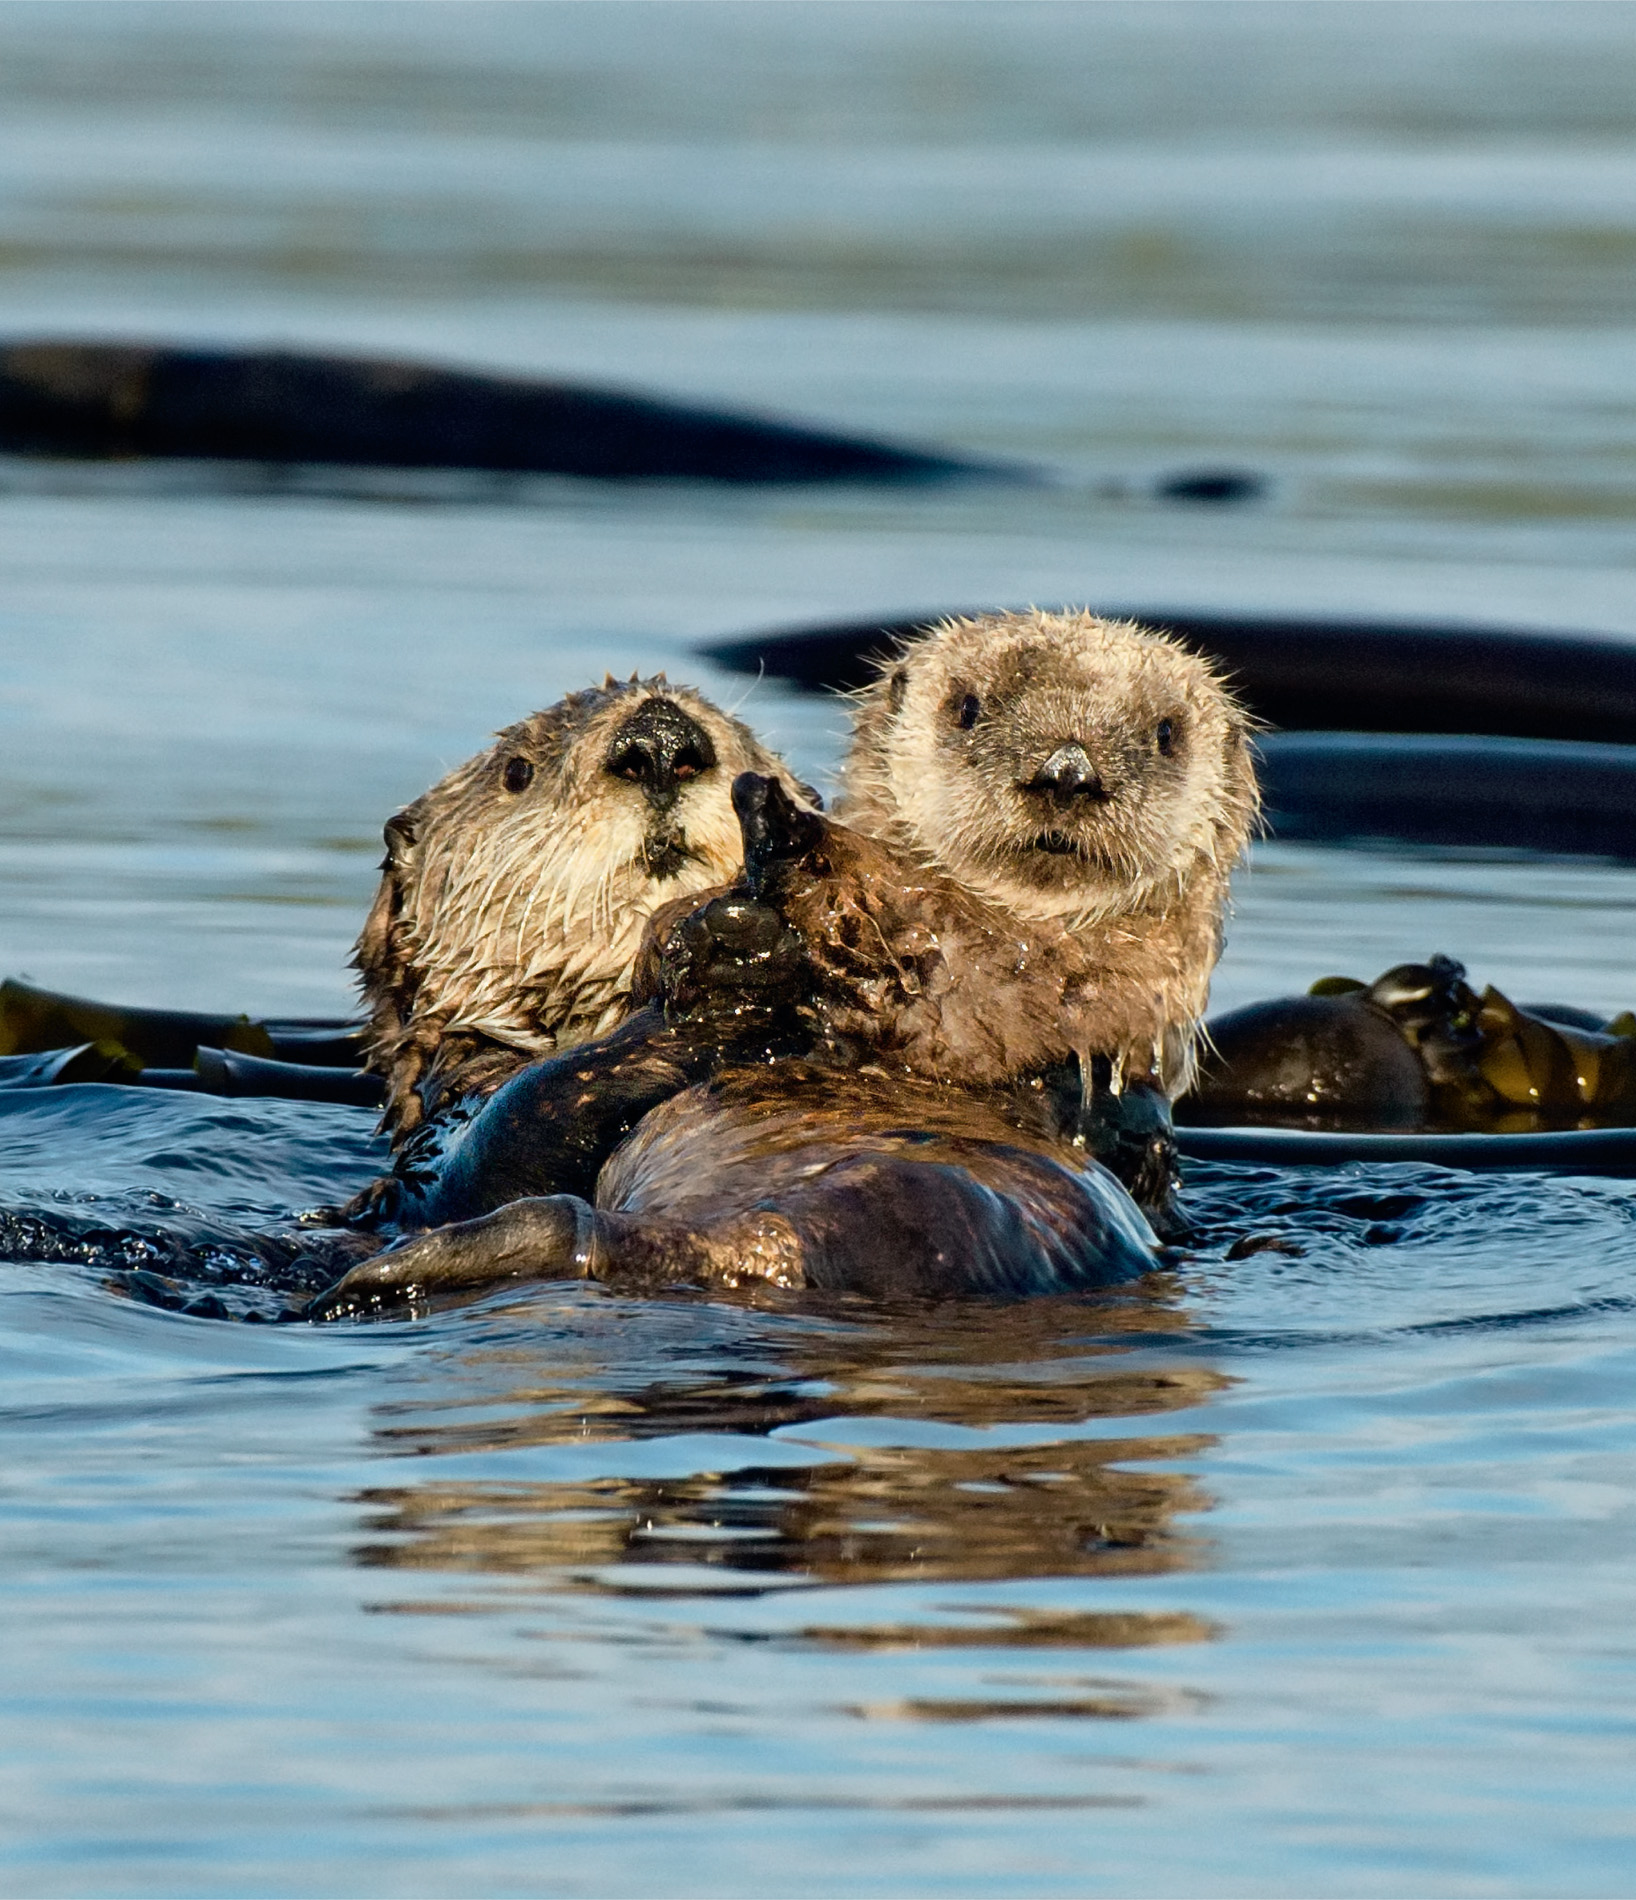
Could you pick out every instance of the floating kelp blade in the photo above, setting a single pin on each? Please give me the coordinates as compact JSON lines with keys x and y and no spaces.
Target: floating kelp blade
{"x":1417,"y":1051}
{"x":34,"y":1020}
{"x":284,"y":406}
{"x":1515,"y":794}
{"x":226,"y":1072}
{"x":1610,"y":1151}
{"x":213,"y":1072}
{"x":58,"y":1068}
{"x":1313,"y":675}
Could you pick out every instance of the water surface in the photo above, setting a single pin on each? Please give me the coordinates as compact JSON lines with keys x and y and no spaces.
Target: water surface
{"x":1304,"y":1570}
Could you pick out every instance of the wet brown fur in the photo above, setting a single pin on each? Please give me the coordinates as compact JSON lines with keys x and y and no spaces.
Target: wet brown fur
{"x":506,"y":922}
{"x":710,"y":1185}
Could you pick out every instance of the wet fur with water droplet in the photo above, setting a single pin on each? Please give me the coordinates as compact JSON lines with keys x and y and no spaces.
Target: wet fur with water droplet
{"x":1077,"y":792}
{"x":514,"y":893}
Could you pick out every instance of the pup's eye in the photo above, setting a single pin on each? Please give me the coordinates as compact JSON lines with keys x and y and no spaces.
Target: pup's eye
{"x":1166,"y":736}
{"x":970,"y":707}
{"x":519,"y":774}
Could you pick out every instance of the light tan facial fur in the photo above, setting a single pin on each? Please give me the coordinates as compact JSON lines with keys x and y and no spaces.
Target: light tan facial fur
{"x":514,"y":893}
{"x":951,"y":743}
{"x":1083,"y":776}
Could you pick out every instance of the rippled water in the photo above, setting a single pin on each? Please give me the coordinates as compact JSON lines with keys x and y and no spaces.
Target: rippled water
{"x":1306,"y":1570}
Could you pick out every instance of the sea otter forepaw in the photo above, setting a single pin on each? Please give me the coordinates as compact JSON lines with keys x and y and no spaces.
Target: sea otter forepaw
{"x":544,"y":1238}
{"x":1130,"y":1133}
{"x":774,"y":827}
{"x":731,"y":951}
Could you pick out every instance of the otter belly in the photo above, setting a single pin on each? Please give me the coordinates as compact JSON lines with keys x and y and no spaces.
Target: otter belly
{"x":859,"y":1184}
{"x":837,"y":1184}
{"x":983,"y":1223}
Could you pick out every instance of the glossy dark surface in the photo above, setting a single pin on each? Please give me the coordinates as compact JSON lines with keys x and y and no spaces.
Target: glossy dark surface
{"x":132,"y":401}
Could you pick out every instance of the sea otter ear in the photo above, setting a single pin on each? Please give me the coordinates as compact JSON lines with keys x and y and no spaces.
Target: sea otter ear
{"x":377,"y":956}
{"x":401,"y":831}
{"x":897,"y":684}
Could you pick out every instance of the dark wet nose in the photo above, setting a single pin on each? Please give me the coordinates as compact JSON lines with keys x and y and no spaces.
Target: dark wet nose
{"x":661,"y":749}
{"x":1068,"y":774}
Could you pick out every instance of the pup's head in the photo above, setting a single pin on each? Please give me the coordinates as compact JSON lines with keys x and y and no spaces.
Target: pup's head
{"x":514,"y":893}
{"x":1058,"y":762}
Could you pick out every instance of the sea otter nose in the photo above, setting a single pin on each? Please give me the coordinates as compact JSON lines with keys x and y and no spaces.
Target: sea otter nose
{"x":661,"y":749}
{"x":1067,"y":774}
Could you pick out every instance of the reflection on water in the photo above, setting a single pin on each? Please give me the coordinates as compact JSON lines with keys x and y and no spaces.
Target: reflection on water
{"x":943,"y":1450}
{"x":900,"y":1459}
{"x":883,"y":1516}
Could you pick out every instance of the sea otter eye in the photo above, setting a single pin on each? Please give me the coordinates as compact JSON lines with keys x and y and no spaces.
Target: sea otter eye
{"x":519,"y":774}
{"x":970,"y":707}
{"x":1166,"y":736}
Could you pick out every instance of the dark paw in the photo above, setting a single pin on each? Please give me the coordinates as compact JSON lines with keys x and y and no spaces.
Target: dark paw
{"x":773,"y":825}
{"x":732,"y":950}
{"x":1131,"y":1135}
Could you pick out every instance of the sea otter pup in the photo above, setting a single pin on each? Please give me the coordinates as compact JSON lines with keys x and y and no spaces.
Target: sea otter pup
{"x":859,"y":1177}
{"x":1078,"y":791}
{"x":514,"y":893}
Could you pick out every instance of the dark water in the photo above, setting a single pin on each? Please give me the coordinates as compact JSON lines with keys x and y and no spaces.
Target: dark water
{"x":1306,"y":1570}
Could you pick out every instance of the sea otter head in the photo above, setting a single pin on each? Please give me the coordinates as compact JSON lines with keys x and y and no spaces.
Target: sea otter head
{"x":1060,"y":763}
{"x":514,"y":893}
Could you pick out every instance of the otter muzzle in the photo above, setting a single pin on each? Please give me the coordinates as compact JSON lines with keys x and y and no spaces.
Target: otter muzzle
{"x":661,"y":749}
{"x":1068,"y":774}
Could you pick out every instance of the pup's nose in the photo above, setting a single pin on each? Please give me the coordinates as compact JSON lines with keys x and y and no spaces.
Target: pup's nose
{"x":661,"y":749}
{"x":1068,"y":773}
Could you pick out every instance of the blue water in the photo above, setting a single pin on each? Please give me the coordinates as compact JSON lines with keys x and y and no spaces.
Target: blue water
{"x":1306,"y":1570}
